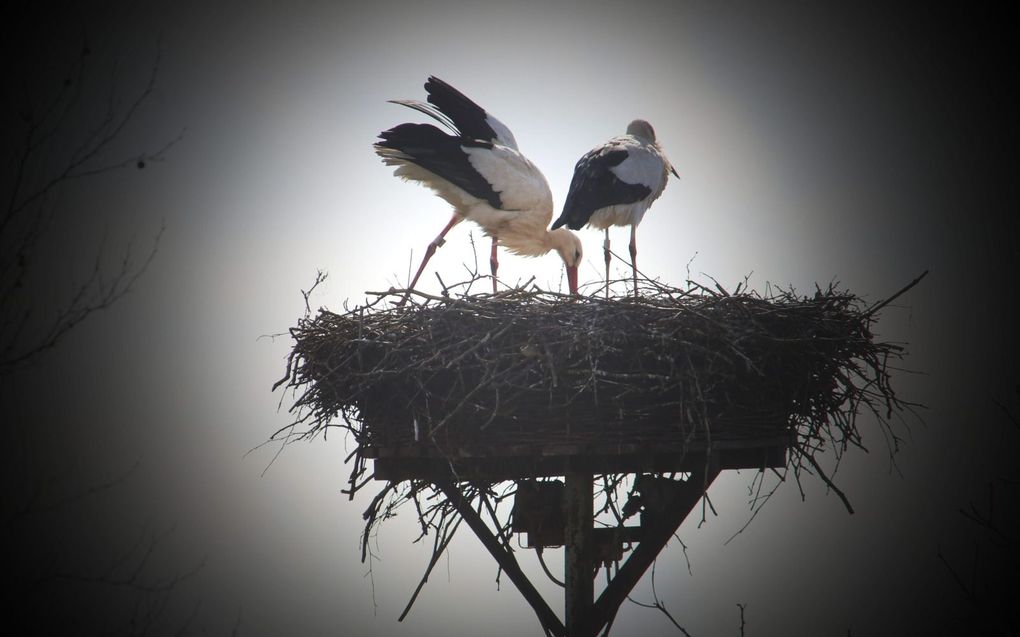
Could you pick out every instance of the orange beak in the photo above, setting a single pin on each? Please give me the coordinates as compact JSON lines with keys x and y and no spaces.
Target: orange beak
{"x":572,"y":279}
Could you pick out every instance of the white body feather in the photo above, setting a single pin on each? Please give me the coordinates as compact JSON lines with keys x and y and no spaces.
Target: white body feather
{"x":521,"y":224}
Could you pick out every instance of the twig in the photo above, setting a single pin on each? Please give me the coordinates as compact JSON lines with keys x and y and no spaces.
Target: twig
{"x":879,"y":305}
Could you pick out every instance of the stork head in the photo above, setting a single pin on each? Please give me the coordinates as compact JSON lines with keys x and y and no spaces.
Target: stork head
{"x":568,"y":246}
{"x":642,"y":130}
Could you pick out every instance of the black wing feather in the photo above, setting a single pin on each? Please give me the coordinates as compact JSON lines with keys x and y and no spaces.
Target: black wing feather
{"x":595,"y":186}
{"x":441,"y":154}
{"x":470,"y":118}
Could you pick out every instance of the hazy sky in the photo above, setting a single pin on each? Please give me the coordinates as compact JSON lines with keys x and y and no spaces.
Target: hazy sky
{"x":813,"y":146}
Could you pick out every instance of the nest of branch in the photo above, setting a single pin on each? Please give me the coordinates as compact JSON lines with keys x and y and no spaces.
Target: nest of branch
{"x":528,"y":367}
{"x":533,"y":370}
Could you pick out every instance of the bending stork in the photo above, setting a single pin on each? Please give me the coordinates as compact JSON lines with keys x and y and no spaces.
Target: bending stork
{"x":614,"y":185}
{"x":480,"y":172}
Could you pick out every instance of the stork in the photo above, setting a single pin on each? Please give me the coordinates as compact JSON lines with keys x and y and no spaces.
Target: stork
{"x":614,"y":184}
{"x":480,"y":172}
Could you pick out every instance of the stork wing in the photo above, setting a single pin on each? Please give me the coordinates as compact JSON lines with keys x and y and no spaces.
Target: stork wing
{"x":471,"y":120}
{"x":520,"y":184}
{"x":429,"y":110}
{"x":604,"y":176}
{"x":445,"y":158}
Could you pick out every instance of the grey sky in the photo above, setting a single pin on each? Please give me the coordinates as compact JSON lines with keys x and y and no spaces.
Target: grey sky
{"x":812,"y":146}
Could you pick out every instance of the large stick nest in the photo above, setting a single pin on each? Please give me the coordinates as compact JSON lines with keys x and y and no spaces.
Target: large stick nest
{"x":528,"y":369}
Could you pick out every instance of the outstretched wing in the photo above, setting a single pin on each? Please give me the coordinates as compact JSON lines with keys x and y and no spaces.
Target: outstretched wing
{"x":457,"y":112}
{"x":441,"y":155}
{"x":471,"y":119}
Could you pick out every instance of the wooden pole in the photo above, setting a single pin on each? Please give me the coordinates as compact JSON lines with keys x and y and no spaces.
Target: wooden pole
{"x":578,"y":561}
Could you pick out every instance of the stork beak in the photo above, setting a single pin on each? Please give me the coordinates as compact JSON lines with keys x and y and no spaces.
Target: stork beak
{"x":572,"y":279}
{"x":673,"y":170}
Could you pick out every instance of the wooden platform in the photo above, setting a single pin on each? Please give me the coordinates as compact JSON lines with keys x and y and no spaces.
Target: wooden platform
{"x":492,"y":464}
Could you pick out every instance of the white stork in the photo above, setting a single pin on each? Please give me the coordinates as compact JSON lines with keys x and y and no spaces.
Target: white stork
{"x":480,"y":172}
{"x":614,"y":184}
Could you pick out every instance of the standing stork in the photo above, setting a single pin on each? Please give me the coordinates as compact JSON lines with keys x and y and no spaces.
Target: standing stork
{"x":480,"y":172}
{"x":614,"y":184}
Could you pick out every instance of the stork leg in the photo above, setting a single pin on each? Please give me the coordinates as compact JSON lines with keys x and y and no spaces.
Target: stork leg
{"x":493,"y":264}
{"x":605,"y":251}
{"x":429,"y":251}
{"x":633,"y":256}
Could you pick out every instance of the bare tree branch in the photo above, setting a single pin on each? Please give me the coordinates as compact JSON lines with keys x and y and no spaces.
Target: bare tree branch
{"x":72,"y":116}
{"x":47,"y":155}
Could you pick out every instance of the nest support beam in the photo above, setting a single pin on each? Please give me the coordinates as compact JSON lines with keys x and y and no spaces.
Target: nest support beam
{"x":583,"y":616}
{"x":504,"y":557}
{"x":673,"y":511}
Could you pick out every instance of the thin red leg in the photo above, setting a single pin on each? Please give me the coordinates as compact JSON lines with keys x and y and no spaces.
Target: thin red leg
{"x":429,"y":251}
{"x":493,"y":264}
{"x":633,"y":256}
{"x":605,"y":251}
